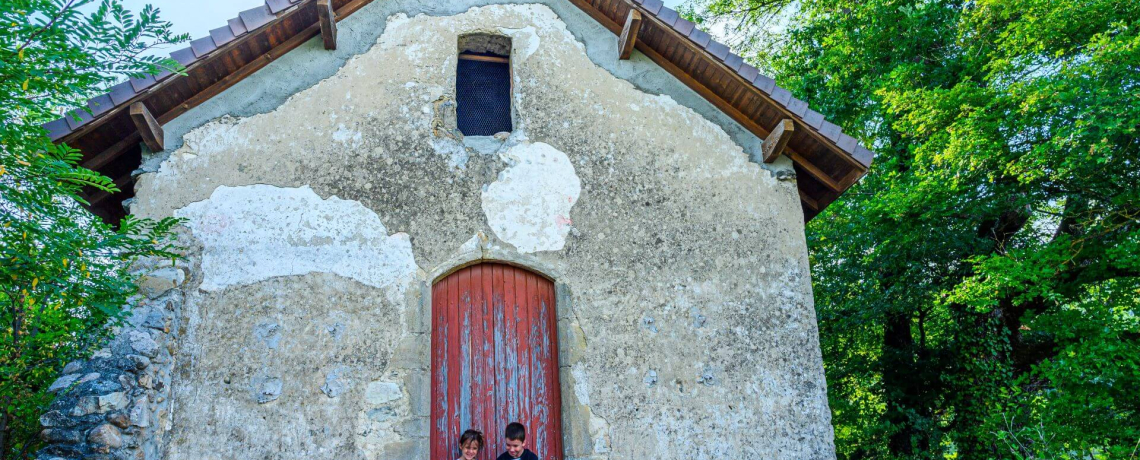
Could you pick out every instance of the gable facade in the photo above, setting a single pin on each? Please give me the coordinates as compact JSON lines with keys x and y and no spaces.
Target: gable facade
{"x":326,"y":195}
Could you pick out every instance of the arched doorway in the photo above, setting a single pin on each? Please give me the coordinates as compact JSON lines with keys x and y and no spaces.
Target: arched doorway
{"x":494,"y":359}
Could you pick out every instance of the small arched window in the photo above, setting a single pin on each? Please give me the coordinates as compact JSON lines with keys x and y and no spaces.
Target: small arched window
{"x":483,"y":85}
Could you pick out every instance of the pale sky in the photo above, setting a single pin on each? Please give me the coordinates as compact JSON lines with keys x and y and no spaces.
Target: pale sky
{"x":197,"y":17}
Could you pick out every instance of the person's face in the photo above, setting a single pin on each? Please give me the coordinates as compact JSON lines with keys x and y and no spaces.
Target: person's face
{"x":515,"y":448}
{"x":470,"y":449}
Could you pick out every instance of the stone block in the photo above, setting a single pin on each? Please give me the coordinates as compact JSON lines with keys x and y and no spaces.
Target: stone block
{"x":147,"y":264}
{"x":160,"y":281}
{"x":571,"y":341}
{"x":73,"y":367}
{"x":382,"y":414}
{"x":419,"y":393}
{"x":335,"y":383}
{"x":267,"y":389}
{"x":138,"y":362}
{"x":55,"y":418}
{"x":413,"y":353}
{"x":382,"y":392}
{"x":142,"y":343}
{"x":127,"y":382}
{"x":119,"y":419}
{"x":100,"y":404}
{"x":407,"y":449}
{"x":418,"y":313}
{"x":575,"y":421}
{"x":163,"y":356}
{"x":146,"y":381}
{"x":414,"y":427}
{"x":140,"y":413}
{"x":106,"y":435}
{"x":112,"y":401}
{"x":154,"y":319}
{"x":85,"y":405}
{"x":63,"y":382}
{"x":105,"y":384}
{"x":88,"y":377}
{"x":61,"y":435}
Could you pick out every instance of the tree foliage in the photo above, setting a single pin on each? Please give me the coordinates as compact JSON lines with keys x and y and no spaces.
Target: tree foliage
{"x":977,"y":292}
{"x":63,"y":273}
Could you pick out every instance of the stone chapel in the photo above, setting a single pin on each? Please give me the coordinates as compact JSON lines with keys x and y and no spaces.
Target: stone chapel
{"x":406,"y":219}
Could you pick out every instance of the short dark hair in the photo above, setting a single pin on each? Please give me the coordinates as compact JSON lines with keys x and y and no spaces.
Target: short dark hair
{"x":516,"y":432}
{"x":471,"y":435}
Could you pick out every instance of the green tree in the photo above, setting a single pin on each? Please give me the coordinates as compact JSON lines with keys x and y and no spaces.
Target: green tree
{"x":63,"y":273}
{"x":977,"y":292}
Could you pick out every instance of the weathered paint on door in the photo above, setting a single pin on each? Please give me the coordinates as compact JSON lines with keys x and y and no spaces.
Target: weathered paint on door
{"x":494,"y":360}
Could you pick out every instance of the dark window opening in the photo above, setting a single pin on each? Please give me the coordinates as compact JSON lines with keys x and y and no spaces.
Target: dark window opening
{"x":483,"y":85}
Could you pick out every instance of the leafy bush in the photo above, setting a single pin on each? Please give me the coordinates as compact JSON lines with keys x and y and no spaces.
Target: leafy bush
{"x":63,"y":273}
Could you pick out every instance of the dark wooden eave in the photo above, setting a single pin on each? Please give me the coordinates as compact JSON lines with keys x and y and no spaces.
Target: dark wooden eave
{"x":827,"y":162}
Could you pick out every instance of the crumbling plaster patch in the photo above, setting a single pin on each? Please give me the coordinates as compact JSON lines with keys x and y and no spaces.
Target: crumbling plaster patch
{"x":529,"y":204}
{"x":256,"y":232}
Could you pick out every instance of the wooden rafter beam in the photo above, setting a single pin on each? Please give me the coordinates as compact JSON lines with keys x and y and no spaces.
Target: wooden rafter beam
{"x":327,"y":17}
{"x":628,"y":37}
{"x":809,"y":201}
{"x":814,"y":170}
{"x":777,"y":140}
{"x":147,"y":127}
{"x":110,"y":153}
{"x":477,"y":57}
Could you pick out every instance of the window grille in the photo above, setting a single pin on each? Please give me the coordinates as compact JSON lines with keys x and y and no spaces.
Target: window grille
{"x":483,"y":94}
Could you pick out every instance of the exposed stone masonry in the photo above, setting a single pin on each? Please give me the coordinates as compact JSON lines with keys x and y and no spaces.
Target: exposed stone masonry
{"x":116,"y":405}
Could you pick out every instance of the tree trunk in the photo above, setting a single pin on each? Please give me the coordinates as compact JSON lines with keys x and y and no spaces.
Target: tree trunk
{"x":4,"y":418}
{"x":901,"y":385}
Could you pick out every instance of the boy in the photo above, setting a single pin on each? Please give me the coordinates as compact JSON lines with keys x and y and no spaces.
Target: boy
{"x":516,"y":444}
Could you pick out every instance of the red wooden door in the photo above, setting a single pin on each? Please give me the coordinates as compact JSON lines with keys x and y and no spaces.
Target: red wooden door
{"x":494,"y":360}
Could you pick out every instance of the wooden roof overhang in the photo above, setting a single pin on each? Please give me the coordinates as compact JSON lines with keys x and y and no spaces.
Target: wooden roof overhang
{"x":827,"y":162}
